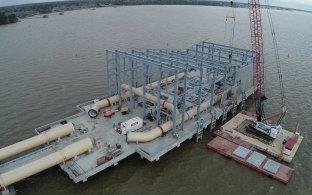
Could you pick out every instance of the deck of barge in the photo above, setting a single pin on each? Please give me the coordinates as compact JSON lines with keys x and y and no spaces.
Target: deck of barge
{"x":101,"y":131}
{"x":236,"y":127}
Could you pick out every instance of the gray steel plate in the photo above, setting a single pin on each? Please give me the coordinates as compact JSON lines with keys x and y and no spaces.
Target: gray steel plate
{"x":241,"y":151}
{"x":272,"y":166}
{"x":256,"y":158}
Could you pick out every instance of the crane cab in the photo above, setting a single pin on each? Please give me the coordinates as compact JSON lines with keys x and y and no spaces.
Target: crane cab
{"x":265,"y":130}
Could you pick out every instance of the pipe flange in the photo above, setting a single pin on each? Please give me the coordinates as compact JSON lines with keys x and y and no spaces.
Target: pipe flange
{"x":163,"y":104}
{"x":109,"y":103}
{"x":63,"y":156}
{"x":162,"y":130}
{"x":2,"y":186}
{"x":47,"y":137}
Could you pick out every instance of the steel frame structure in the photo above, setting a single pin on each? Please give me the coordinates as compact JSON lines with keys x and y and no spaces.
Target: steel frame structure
{"x":208,"y":69}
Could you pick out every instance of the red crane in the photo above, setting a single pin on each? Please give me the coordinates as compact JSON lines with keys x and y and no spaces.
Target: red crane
{"x":258,"y":63}
{"x":262,"y":126}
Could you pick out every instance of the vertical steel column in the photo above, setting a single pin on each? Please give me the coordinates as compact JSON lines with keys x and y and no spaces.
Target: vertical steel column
{"x":224,"y":112}
{"x":202,"y":51}
{"x":234,"y":76}
{"x":234,"y":101}
{"x":244,"y":58}
{"x":118,"y":82}
{"x":212,"y":89}
{"x":224,"y":78}
{"x":243,"y":96}
{"x":236,"y":88}
{"x":144,"y":78}
{"x":184,"y":97}
{"x":144,"y":91}
{"x":111,"y":72}
{"x":108,"y":74}
{"x":174,"y":114}
{"x":131,"y":84}
{"x":158,"y":95}
{"x":219,"y":56}
{"x":198,"y":116}
{"x":199,"y":91}
{"x":223,"y":100}
{"x":212,"y":48}
{"x":212,"y":94}
{"x":213,"y":119}
{"x":147,"y":76}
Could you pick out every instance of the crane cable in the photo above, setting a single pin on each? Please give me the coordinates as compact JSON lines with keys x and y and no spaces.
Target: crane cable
{"x":278,"y":64}
{"x":233,"y":17}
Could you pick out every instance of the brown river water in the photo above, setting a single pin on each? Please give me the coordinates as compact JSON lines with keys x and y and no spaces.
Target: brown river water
{"x":48,"y":66}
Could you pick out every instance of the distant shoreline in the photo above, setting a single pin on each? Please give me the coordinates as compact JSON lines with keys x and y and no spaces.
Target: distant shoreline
{"x":17,"y":12}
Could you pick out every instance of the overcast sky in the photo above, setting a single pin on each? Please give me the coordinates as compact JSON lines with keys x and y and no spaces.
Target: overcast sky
{"x":298,"y":4}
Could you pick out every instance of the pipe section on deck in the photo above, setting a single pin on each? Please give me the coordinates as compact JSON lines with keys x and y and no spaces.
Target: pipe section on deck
{"x":42,"y":138}
{"x":149,"y":97}
{"x":167,"y":126}
{"x":46,"y":162}
{"x":93,"y":112}
{"x":165,"y":81}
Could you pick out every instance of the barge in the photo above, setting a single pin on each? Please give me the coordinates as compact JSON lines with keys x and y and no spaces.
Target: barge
{"x":235,"y":141}
{"x":158,"y":99}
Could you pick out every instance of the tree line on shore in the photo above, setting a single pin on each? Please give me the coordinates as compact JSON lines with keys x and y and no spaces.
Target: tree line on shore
{"x":7,"y":19}
{"x":47,"y":7}
{"x":10,"y":14}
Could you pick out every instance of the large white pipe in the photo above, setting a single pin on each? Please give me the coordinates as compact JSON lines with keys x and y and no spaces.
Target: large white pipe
{"x":46,"y":162}
{"x":165,"y":81}
{"x":93,"y":112}
{"x":42,"y":138}
{"x":167,"y":126}
{"x":151,"y":98}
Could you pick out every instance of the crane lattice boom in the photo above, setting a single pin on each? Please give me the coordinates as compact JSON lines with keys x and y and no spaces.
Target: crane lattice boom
{"x":258,"y":63}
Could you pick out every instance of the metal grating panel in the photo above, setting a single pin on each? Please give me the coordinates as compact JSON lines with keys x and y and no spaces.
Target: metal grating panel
{"x":256,"y":158}
{"x":241,"y":151}
{"x":271,"y":166}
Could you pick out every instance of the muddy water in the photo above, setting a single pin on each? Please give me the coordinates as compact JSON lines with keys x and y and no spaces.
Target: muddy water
{"x":47,"y":66}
